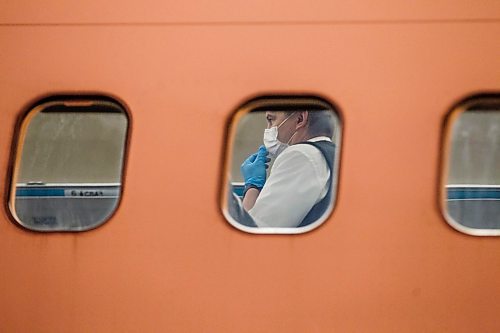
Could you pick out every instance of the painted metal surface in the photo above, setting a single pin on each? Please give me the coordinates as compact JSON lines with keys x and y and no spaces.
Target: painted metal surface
{"x":237,"y":12}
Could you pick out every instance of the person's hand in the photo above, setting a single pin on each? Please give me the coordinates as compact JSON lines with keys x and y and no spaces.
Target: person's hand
{"x":254,"y":169}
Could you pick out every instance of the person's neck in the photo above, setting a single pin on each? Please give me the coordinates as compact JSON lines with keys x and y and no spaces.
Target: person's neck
{"x":301,"y":137}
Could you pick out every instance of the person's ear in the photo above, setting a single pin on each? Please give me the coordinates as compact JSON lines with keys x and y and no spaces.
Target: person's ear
{"x":302,"y":119}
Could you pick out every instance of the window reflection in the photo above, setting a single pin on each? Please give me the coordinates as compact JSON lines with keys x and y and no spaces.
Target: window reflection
{"x":473,"y":175}
{"x":68,"y":169}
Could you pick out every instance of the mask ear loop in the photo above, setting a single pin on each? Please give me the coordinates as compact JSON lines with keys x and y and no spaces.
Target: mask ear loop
{"x":286,"y":119}
{"x":288,"y":142}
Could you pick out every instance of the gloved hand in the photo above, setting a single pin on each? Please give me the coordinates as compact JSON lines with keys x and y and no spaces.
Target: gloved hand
{"x":254,"y":169}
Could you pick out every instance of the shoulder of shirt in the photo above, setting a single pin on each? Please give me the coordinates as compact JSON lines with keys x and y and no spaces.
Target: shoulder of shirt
{"x":308,"y":151}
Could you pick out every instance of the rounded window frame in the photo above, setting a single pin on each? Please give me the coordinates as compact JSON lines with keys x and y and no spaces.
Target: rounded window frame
{"x":449,"y":120}
{"x":19,"y":136}
{"x":261,"y":102}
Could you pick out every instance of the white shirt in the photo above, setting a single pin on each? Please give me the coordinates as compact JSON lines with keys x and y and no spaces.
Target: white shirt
{"x":298,"y":180}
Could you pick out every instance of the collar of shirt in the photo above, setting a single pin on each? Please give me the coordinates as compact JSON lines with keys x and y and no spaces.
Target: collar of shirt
{"x":320,"y":138}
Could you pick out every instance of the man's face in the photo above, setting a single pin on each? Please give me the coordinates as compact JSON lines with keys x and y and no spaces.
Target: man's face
{"x":286,"y":126}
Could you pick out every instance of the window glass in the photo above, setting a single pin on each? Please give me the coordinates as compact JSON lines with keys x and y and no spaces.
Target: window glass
{"x":68,"y":164}
{"x":281,"y":165}
{"x":472,"y":168}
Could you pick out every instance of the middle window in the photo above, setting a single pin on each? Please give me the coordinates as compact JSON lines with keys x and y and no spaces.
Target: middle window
{"x":281,"y":165}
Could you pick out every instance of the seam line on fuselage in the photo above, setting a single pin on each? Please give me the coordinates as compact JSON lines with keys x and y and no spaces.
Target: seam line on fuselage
{"x":252,"y":23}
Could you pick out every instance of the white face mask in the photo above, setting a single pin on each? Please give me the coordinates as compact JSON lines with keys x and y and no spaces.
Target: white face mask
{"x":271,"y":142}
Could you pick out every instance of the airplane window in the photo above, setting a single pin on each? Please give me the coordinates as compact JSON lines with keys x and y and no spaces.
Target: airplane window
{"x":471,"y":196}
{"x":281,"y":165}
{"x":68,"y":164}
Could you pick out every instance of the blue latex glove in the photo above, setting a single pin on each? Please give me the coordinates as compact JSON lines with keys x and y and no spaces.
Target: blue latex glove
{"x":254,"y":169}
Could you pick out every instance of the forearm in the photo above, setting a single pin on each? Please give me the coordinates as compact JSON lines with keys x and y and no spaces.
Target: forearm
{"x":250,"y":197}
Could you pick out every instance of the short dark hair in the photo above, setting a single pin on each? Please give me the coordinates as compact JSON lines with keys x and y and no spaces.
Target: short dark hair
{"x":321,"y":123}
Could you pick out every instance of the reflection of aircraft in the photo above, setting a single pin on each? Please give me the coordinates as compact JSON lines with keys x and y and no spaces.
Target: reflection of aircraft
{"x":475,"y":203}
{"x":80,"y":206}
{"x":167,"y":261}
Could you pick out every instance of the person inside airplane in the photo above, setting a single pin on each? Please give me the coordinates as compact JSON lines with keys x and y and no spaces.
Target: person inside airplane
{"x":299,"y":187}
